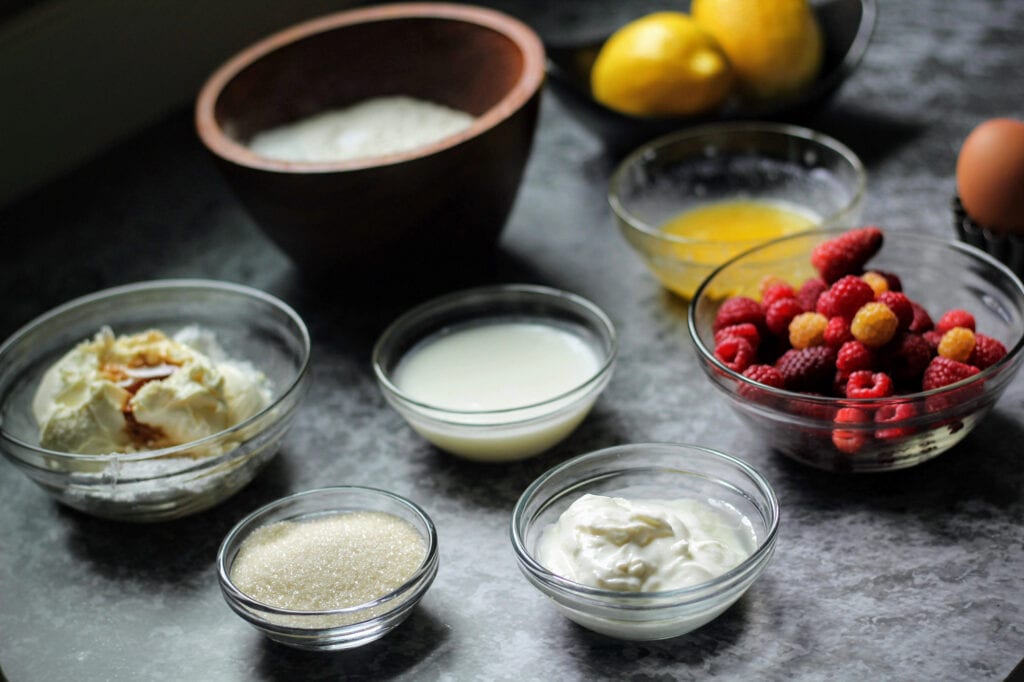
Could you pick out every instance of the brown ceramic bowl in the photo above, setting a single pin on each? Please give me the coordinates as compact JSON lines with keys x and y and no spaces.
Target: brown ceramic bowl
{"x":441,"y":203}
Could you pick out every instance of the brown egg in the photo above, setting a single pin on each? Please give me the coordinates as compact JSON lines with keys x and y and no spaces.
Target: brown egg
{"x":990,"y":175}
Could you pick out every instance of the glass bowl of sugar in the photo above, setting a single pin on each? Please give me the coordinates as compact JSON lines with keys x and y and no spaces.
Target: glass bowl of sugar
{"x":329,"y":569}
{"x":497,"y":373}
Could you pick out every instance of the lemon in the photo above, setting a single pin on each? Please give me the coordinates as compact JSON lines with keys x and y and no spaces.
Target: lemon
{"x":662,"y":64}
{"x":775,"y":46}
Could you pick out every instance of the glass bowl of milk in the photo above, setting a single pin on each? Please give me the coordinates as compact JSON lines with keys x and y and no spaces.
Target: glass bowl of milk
{"x":646,"y":541}
{"x":497,"y":373}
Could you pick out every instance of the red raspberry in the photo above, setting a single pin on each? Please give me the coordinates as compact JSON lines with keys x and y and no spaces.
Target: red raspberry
{"x":850,"y":440}
{"x":854,"y":356}
{"x":934,"y":338}
{"x":765,"y":374}
{"x":780,"y":313}
{"x":922,"y":321}
{"x":776,"y":291}
{"x":955,"y":318}
{"x":737,"y":310}
{"x":745,"y":331}
{"x":894,"y":416}
{"x":847,"y":253}
{"x":816,"y":412}
{"x":906,"y":357}
{"x":809,"y":293}
{"x":901,"y":305}
{"x":837,"y":332}
{"x":839,"y":383}
{"x":987,"y":352}
{"x":892,"y":279}
{"x":865,"y":384}
{"x":808,"y":369}
{"x":943,"y":372}
{"x":735,"y":353}
{"x":845,"y":297}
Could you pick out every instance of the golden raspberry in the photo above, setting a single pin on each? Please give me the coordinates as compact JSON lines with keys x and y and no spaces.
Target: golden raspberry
{"x":874,"y":324}
{"x":957,"y":344}
{"x":878,"y":283}
{"x":807,"y":329}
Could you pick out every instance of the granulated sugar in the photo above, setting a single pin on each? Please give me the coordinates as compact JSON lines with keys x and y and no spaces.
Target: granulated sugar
{"x":329,"y":562}
{"x":374,"y":127}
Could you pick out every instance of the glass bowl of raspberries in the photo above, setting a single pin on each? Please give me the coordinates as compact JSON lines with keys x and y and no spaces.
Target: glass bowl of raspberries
{"x":860,"y":350}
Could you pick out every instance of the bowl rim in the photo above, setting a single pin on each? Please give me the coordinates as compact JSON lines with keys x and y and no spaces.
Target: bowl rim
{"x":180,"y":284}
{"x":724,"y":129}
{"x":224,"y":146}
{"x":458,"y":298}
{"x":420,"y":580}
{"x":640,"y":600}
{"x":708,"y":355}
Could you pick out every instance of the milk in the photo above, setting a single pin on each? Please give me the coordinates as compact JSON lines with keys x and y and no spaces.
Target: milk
{"x":499,"y":390}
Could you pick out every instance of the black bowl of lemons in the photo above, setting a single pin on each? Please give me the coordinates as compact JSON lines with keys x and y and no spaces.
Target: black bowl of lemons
{"x":719,"y":60}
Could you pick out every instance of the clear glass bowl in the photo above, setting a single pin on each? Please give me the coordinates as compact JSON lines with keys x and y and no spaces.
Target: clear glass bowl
{"x":719,"y":162}
{"x":656,"y":471}
{"x":334,"y":629}
{"x":940,"y":275}
{"x":507,"y":434}
{"x":175,"y":481}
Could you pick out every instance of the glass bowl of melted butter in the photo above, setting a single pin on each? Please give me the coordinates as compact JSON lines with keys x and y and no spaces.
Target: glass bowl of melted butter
{"x":153,"y":400}
{"x":689,"y":201}
{"x":646,"y":541}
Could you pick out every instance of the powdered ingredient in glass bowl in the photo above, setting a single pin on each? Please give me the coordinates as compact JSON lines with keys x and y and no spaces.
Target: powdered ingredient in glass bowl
{"x":144,"y":391}
{"x":330,"y":562}
{"x":373,"y":127}
{"x":644,"y":545}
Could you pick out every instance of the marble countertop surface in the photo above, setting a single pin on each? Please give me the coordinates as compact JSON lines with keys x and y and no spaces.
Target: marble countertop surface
{"x":915,"y":574}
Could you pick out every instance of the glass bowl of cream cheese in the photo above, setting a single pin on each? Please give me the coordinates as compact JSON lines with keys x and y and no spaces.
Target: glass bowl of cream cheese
{"x":329,"y":569}
{"x":646,"y":541}
{"x":153,"y":400}
{"x":497,"y":373}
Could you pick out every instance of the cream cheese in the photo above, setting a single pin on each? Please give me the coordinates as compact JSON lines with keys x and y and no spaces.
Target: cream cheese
{"x":643,"y":545}
{"x":144,"y":391}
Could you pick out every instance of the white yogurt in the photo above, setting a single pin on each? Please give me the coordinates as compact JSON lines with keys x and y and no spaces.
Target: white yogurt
{"x":643,"y":545}
{"x":499,"y":390}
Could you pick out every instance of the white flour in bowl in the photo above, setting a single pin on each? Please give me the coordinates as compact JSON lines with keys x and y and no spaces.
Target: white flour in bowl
{"x":374,"y":127}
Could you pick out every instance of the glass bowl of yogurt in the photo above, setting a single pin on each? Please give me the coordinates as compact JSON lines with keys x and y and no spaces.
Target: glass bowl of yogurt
{"x":329,"y":569}
{"x":497,"y":373}
{"x":153,"y":400}
{"x":646,"y":541}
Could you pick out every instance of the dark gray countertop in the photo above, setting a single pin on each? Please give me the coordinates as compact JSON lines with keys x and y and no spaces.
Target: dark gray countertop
{"x":910,"y":575}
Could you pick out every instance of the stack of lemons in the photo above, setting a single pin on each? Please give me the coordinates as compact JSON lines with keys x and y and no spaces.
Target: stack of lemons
{"x":676,"y":64}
